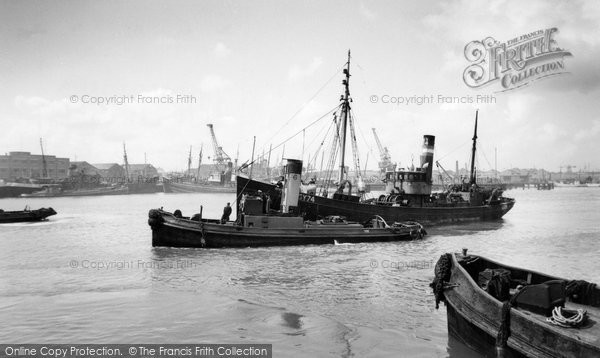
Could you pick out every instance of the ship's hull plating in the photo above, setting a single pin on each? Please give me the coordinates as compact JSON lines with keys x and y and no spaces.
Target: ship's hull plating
{"x":315,"y":206}
{"x":175,"y":232}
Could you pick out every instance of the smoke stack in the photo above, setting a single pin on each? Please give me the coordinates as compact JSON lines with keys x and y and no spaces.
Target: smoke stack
{"x":291,"y":188}
{"x":427,"y":157}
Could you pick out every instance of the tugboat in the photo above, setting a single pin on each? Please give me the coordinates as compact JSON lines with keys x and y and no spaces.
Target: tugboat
{"x":409,"y":192}
{"x":25,"y":215}
{"x":258,"y":225}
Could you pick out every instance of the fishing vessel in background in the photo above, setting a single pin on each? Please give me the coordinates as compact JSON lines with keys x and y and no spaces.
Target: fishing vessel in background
{"x":408,"y":195}
{"x":14,"y":190}
{"x":220,"y":180}
{"x":51,"y":191}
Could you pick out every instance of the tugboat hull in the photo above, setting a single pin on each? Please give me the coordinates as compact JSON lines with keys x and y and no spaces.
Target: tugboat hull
{"x":168,"y":230}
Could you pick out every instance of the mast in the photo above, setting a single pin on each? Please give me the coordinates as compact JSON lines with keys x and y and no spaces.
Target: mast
{"x":189,"y":162}
{"x":345,"y":109}
{"x":45,"y":165}
{"x":252,"y":160}
{"x":269,"y":162}
{"x":473,"y":178}
{"x":199,"y":162}
{"x":237,"y":157}
{"x":125,"y":162}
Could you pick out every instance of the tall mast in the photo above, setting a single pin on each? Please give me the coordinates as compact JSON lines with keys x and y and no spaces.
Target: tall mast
{"x":45,"y":166}
{"x":269,"y":162}
{"x":345,"y":109}
{"x":189,"y":162}
{"x":199,"y":162}
{"x":252,"y":160}
{"x":473,"y":178}
{"x":125,"y":162}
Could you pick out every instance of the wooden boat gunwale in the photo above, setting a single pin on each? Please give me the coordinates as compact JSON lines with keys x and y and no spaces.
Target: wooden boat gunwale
{"x":521,"y":321}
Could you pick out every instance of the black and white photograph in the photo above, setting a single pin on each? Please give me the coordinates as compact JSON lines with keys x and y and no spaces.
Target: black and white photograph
{"x":263,"y":178}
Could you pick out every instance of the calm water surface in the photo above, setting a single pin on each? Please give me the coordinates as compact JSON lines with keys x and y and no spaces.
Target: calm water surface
{"x":90,"y":275}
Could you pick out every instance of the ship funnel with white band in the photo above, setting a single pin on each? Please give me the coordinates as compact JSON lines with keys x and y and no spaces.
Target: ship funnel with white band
{"x":291,"y":188}
{"x":427,"y":157}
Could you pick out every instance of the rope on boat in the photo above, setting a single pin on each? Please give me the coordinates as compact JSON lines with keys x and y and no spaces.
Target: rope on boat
{"x":442,"y":275}
{"x":504,"y":330}
{"x":581,"y":291}
{"x":567,"y":318}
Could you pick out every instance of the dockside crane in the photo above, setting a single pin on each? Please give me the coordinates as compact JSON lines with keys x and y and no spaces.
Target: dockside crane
{"x":450,"y":178}
{"x":385,"y":159}
{"x":221,"y":159}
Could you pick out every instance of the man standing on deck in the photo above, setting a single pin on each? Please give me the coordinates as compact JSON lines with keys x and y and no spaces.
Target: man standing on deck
{"x":226,"y":213}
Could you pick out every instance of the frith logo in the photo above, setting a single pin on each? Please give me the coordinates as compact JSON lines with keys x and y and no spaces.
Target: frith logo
{"x":515,"y":63}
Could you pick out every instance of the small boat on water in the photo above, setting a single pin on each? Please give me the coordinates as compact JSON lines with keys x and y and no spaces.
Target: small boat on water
{"x":25,"y":215}
{"x":257,"y":225}
{"x":517,"y":312}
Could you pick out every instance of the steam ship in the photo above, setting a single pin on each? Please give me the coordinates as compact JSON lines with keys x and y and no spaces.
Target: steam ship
{"x":408,"y":195}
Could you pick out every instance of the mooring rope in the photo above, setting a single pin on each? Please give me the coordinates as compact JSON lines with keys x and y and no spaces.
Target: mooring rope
{"x":442,"y":274}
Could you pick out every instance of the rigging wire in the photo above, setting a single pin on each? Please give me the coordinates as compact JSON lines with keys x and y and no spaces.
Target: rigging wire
{"x":303,"y":106}
{"x":300,"y":131}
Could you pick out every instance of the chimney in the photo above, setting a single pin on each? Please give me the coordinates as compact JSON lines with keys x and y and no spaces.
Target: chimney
{"x":291,"y":188}
{"x":427,"y":157}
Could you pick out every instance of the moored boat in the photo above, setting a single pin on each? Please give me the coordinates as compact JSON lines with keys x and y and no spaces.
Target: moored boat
{"x":408,"y":191}
{"x":57,"y":191}
{"x":180,"y":186}
{"x":257,"y":225}
{"x":26,"y":215}
{"x":13,"y":190}
{"x":515,"y":311}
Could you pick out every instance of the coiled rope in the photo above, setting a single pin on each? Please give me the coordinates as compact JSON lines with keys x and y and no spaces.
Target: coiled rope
{"x":567,"y":318}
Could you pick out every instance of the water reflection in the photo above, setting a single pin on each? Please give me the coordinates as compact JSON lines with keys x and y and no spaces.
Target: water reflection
{"x":467,"y":228}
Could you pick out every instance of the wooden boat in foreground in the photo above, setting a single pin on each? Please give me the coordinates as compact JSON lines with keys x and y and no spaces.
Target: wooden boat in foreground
{"x":25,"y":215}
{"x":494,"y":305}
{"x":258,"y":226}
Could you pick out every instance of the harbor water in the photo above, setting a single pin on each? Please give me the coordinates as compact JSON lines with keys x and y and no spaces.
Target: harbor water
{"x":91,"y":275}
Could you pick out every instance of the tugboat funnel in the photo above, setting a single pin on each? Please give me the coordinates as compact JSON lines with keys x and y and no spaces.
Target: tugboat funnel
{"x":427,"y":157}
{"x":291,"y":188}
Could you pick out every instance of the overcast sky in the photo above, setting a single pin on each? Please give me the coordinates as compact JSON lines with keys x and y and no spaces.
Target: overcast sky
{"x":251,"y":65}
